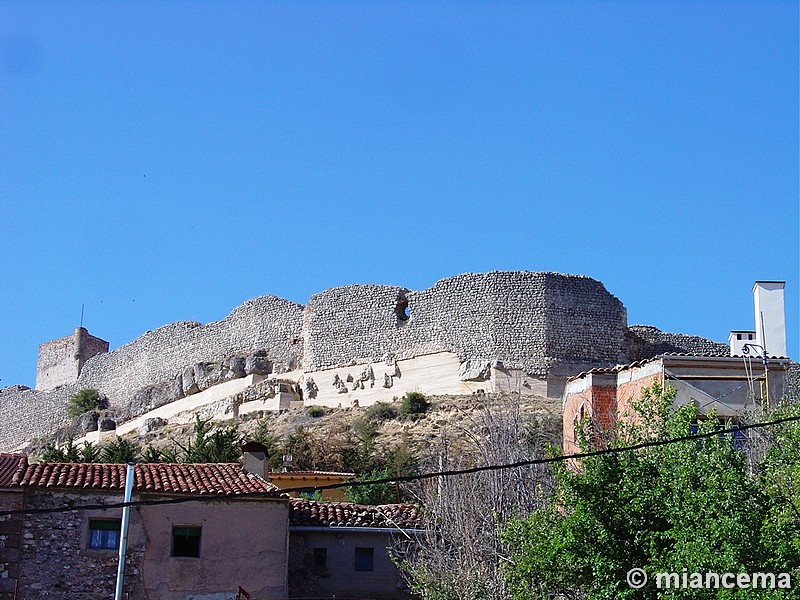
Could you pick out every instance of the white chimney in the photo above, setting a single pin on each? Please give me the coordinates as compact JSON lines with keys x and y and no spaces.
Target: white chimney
{"x":770,"y":317}
{"x":739,"y":339}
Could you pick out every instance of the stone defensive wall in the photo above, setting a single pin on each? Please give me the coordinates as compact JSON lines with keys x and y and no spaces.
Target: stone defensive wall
{"x":644,"y":342}
{"x":164,"y":357}
{"x":543,"y":323}
{"x":521,"y":327}
{"x":267,"y":324}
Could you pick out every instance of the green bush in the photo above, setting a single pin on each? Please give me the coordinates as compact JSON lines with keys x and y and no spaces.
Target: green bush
{"x":69,"y":452}
{"x":315,"y":411}
{"x":380,"y":411}
{"x":414,"y":403}
{"x":316,"y":495}
{"x":399,"y":460}
{"x":152,"y":454}
{"x":90,"y":453}
{"x":83,"y":401}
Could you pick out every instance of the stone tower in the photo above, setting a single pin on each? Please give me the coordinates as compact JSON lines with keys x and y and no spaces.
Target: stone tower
{"x":60,"y":361}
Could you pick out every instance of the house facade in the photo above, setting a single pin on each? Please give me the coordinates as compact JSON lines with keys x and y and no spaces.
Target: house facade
{"x":343,"y":550}
{"x":202,"y":531}
{"x":196,"y":532}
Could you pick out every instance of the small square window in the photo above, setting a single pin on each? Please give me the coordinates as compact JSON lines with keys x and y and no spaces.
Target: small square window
{"x":320,"y":558}
{"x":104,"y":534}
{"x":186,"y":541}
{"x":365,"y":559}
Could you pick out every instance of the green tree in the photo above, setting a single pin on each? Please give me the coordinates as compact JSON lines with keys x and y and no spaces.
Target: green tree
{"x":357,"y":451}
{"x":68,"y":453}
{"x":379,"y":493}
{"x":90,"y":453}
{"x":119,"y":451}
{"x":779,"y":475}
{"x":399,"y":460}
{"x":223,"y":445}
{"x":83,"y":401}
{"x":168,"y":454}
{"x":689,"y":505}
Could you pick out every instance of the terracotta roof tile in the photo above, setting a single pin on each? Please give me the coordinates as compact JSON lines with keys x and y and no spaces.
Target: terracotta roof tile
{"x":10,"y":466}
{"x":159,"y":478}
{"x":310,"y":513}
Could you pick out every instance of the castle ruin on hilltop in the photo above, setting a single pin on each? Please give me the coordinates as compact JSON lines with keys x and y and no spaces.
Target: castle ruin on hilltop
{"x":524,"y":332}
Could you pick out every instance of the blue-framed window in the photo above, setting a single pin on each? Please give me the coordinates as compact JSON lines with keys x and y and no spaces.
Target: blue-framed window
{"x":104,"y":534}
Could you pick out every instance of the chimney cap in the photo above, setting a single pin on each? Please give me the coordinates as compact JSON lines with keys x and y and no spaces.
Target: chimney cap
{"x":766,"y":282}
{"x":254,"y":447}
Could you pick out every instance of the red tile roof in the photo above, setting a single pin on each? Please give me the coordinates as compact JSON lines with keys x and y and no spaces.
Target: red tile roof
{"x":157,"y":478}
{"x":310,"y":513}
{"x":10,"y":465}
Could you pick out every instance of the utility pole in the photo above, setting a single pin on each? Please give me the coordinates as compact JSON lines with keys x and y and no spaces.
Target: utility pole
{"x":123,"y":535}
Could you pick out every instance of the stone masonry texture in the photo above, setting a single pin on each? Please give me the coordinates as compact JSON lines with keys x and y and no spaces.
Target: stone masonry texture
{"x":60,"y":361}
{"x":547,"y":324}
{"x":53,"y":553}
{"x":644,"y":341}
{"x":539,"y":322}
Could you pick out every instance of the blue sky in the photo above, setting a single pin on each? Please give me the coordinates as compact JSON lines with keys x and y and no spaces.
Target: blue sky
{"x":164,"y":161}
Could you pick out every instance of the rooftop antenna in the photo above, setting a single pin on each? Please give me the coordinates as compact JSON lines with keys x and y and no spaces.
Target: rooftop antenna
{"x":287,"y":462}
{"x":82,"y":315}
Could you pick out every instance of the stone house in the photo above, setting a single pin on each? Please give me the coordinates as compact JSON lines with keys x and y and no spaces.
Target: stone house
{"x":11,"y":498}
{"x":201,"y":532}
{"x":731,"y":385}
{"x":220,"y":528}
{"x":342,"y":549}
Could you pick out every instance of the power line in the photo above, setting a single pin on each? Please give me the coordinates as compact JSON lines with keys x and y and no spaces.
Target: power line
{"x":405,"y":478}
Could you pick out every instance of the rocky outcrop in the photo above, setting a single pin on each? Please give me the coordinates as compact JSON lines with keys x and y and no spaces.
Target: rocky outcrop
{"x":475,"y":370}
{"x":194,"y":379}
